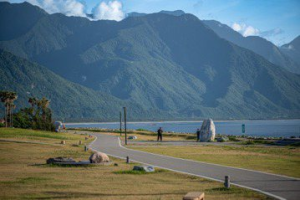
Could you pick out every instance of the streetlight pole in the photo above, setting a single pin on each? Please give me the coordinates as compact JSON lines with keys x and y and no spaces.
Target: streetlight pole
{"x":125,"y":125}
{"x":120,"y":123}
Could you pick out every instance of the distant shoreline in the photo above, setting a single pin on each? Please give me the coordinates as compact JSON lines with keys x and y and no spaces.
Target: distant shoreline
{"x":200,"y":121}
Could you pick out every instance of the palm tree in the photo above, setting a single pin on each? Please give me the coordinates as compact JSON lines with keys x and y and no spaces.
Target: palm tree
{"x":8,"y":98}
{"x":4,"y":95}
{"x":13,"y":106}
{"x":12,"y":96}
{"x":33,"y":101}
{"x":44,"y":105}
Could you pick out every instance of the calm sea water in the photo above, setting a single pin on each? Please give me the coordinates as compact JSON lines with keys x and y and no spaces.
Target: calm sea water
{"x":266,"y":128}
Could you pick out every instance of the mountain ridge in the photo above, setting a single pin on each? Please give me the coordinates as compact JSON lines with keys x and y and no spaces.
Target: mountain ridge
{"x":69,"y":101}
{"x":175,"y":65}
{"x":292,"y":49}
{"x":257,"y":44}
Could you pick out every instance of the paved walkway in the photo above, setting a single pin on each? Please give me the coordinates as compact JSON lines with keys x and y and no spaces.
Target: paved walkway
{"x":280,"y":187}
{"x":178,"y":143}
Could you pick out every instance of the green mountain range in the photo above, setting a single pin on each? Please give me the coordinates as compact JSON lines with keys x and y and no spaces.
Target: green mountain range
{"x":70,"y":101}
{"x":256,"y":44}
{"x":292,"y":49}
{"x":167,"y":66}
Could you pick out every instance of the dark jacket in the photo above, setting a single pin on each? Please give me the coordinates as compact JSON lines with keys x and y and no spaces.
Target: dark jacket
{"x":159,"y":131}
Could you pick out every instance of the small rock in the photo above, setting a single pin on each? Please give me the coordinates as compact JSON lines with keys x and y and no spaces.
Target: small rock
{"x":144,"y":168}
{"x":132,"y":137}
{"x":222,"y":139}
{"x":99,"y":158}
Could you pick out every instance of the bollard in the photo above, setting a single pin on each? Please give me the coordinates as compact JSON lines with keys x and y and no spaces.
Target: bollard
{"x":127,"y":159}
{"x":227,"y":182}
{"x":85,"y":148}
{"x":63,"y":142}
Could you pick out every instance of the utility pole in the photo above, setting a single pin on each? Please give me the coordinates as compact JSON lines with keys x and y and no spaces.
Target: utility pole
{"x":125,"y":125}
{"x":120,"y":123}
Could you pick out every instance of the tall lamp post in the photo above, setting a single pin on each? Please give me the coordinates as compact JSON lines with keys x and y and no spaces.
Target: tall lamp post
{"x":120,"y":123}
{"x":125,"y":125}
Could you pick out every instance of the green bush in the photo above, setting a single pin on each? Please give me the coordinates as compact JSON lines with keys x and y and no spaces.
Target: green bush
{"x":233,"y":138}
{"x":28,"y":119}
{"x":141,"y":129}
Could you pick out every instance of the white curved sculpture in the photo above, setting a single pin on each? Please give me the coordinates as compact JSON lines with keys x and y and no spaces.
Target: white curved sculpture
{"x":208,"y":131}
{"x":58,"y":125}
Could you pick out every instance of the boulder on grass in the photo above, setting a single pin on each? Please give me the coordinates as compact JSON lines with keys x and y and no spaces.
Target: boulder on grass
{"x":208,"y":131}
{"x":99,"y":158}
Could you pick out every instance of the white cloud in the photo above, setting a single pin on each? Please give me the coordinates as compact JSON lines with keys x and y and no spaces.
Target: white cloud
{"x":290,"y":47}
{"x":237,"y":27}
{"x":111,"y":11}
{"x":105,"y":10}
{"x":67,"y":7}
{"x":245,"y":30}
{"x":272,"y":32}
{"x":198,"y":4}
{"x":250,"y":31}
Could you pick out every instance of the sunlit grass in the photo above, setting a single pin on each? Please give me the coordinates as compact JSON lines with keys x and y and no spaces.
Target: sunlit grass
{"x":24,"y":175}
{"x":272,"y":159}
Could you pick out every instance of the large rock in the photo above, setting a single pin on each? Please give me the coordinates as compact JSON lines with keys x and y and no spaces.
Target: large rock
{"x":59,"y":160}
{"x":208,"y":131}
{"x":99,"y":158}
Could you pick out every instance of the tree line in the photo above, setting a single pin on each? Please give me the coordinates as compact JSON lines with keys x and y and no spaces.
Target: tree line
{"x":37,"y":116}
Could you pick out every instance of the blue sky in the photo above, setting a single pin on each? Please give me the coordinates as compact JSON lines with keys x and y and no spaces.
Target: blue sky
{"x":276,"y":20}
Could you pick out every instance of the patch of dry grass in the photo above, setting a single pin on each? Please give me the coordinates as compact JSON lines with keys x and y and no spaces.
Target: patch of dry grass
{"x":143,"y":135}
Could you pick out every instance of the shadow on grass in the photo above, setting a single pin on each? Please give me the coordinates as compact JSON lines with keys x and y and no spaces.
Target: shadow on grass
{"x":82,"y":195}
{"x":27,"y":180}
{"x":64,"y":165}
{"x":136,"y":172}
{"x":223,"y":190}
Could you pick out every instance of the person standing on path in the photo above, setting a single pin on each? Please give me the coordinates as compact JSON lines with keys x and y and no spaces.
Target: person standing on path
{"x":159,"y":134}
{"x":198,"y":135}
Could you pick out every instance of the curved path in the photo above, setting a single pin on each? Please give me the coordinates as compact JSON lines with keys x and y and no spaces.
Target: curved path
{"x":280,"y":187}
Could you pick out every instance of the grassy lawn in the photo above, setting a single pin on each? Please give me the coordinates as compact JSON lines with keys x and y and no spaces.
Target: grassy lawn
{"x":144,"y":135}
{"x":42,"y":136}
{"x":272,"y":159}
{"x":24,"y":175}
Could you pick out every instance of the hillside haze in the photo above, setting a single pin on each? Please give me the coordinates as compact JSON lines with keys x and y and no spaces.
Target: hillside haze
{"x":171,"y":63}
{"x":69,"y":101}
{"x":292,"y":49}
{"x":256,"y":44}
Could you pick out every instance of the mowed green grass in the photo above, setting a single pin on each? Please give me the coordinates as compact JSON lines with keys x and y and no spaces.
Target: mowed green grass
{"x":24,"y":174}
{"x":142,"y":135}
{"x":272,"y":159}
{"x":37,"y":135}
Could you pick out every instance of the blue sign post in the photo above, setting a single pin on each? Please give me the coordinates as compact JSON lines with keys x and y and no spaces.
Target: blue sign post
{"x":243,"y":128}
